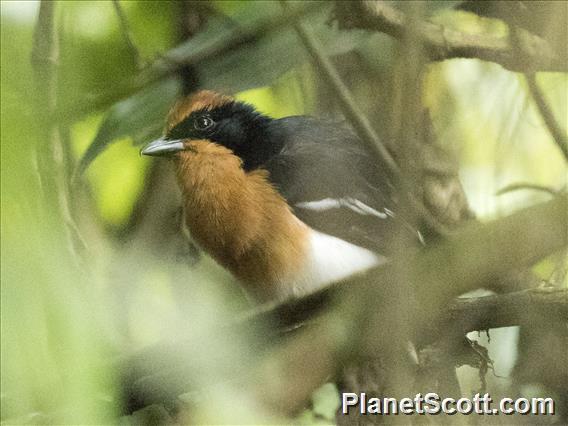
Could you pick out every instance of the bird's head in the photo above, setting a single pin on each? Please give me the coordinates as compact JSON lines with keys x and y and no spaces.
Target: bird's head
{"x":209,"y":117}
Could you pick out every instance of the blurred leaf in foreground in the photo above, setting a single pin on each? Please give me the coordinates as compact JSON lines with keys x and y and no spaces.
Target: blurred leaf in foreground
{"x":140,"y":117}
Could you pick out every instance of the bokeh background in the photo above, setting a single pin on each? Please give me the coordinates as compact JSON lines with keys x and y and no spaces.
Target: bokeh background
{"x":124,"y":278}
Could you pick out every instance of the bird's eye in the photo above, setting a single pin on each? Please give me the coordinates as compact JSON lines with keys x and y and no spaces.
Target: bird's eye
{"x":203,"y":123}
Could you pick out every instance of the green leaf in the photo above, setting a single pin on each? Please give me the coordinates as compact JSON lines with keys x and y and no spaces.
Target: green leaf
{"x":140,"y":117}
{"x":254,"y":64}
{"x":261,"y":62}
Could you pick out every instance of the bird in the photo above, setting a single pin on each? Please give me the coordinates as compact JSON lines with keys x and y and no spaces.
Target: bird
{"x":287,"y":205}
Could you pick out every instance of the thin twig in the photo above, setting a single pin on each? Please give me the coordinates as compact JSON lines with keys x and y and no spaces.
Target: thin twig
{"x":530,"y":186}
{"x":408,"y":111}
{"x":409,"y":132}
{"x":558,"y":134}
{"x":356,"y":117}
{"x":50,"y":152}
{"x":350,"y":109}
{"x":191,"y":18}
{"x":127,"y":34}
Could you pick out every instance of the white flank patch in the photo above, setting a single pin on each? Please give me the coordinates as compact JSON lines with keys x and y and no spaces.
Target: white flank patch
{"x":331,"y":259}
{"x":320,"y":205}
{"x":351,"y":203}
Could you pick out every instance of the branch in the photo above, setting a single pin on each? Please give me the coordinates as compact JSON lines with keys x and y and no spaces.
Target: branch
{"x":483,"y":253}
{"x":477,"y":257}
{"x":442,"y":43}
{"x":437,"y":275}
{"x":506,"y":310}
{"x":462,"y":315}
{"x":163,"y":373}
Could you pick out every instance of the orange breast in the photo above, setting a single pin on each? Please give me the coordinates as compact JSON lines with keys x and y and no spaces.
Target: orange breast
{"x":240,"y":219}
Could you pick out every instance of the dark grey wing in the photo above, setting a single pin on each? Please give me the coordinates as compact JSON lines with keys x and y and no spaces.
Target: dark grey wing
{"x":334,"y":185}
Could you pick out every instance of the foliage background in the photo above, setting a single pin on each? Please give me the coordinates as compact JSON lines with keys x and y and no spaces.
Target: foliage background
{"x":64,"y":316}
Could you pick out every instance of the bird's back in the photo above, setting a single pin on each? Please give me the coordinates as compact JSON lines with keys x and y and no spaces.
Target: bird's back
{"x":334,"y":184}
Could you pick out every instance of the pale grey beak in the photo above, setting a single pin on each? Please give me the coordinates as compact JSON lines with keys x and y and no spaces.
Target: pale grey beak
{"x":161,"y":147}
